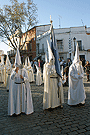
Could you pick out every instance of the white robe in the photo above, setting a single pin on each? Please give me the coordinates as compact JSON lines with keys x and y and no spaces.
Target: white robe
{"x":1,"y":73}
{"x":76,"y":93}
{"x":20,"y":98}
{"x":8,"y":72}
{"x":30,"y":74}
{"x":39,"y":77}
{"x":50,"y":98}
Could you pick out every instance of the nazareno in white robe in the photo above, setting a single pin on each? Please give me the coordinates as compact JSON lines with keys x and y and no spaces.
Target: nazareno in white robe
{"x":76,"y":92}
{"x":8,"y":72}
{"x":20,"y":98}
{"x":50,"y":97}
{"x":39,"y":80}
{"x":1,"y":73}
{"x":30,"y":74}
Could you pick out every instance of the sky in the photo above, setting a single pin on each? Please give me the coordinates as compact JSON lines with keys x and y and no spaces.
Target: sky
{"x":64,"y":13}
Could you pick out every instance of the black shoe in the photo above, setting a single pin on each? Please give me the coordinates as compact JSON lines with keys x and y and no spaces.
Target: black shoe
{"x":81,"y":104}
{"x":50,"y":109}
{"x":14,"y":115}
{"x":73,"y":105}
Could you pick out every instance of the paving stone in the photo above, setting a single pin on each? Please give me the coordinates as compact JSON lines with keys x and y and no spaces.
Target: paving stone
{"x":68,"y":123}
{"x":75,"y":125}
{"x":87,"y":133}
{"x":73,"y":133}
{"x":88,"y":128}
{"x":47,"y":132}
{"x":66,"y":127}
{"x":56,"y":133}
{"x":81,"y":127}
{"x":87,"y":124}
{"x":81,"y":131}
{"x":65,"y":131}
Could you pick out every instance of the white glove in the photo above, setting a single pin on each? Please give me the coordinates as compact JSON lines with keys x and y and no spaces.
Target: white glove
{"x":80,"y":77}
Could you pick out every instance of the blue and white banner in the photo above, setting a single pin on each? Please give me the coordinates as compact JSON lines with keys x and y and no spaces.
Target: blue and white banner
{"x":55,"y":50}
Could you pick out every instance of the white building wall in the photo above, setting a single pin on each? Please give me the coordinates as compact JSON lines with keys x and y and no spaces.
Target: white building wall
{"x":88,"y":42}
{"x":63,"y":34}
{"x":43,"y":39}
{"x":87,"y":54}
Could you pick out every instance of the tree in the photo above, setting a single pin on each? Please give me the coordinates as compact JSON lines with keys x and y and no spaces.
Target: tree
{"x":15,"y":19}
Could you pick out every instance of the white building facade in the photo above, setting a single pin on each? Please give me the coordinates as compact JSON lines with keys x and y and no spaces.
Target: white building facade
{"x":66,"y":39}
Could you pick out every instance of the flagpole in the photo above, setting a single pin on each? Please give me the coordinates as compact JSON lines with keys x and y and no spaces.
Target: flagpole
{"x":50,"y":20}
{"x":55,"y":53}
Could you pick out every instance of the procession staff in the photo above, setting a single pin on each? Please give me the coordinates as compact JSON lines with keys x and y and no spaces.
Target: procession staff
{"x":19,"y":87}
{"x":76,"y":92}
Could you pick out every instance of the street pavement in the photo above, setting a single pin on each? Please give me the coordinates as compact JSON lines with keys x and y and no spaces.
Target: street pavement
{"x":66,"y":121}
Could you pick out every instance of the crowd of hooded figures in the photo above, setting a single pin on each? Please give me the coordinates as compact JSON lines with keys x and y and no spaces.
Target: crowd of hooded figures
{"x":17,"y":80}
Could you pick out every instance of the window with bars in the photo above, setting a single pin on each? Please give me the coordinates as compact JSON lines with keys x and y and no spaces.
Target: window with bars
{"x":42,"y":48}
{"x":38,"y":48}
{"x":60,"y":45}
{"x":80,"y":45}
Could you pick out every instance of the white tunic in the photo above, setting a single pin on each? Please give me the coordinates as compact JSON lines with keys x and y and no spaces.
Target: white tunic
{"x":8,"y":72}
{"x":76,"y":93}
{"x":30,"y":74}
{"x":51,"y":99}
{"x":20,"y":98}
{"x":39,"y":77}
{"x":1,"y":73}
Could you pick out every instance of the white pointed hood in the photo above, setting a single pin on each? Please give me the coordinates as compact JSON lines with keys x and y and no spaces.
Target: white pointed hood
{"x":2,"y":60}
{"x":76,"y":58}
{"x":29,"y":63}
{"x":8,"y":63}
{"x":17,"y":59}
{"x":26,"y":62}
